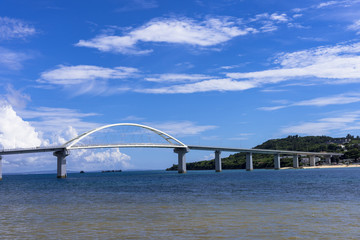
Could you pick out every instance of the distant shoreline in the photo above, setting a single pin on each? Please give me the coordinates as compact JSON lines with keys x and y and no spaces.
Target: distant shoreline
{"x":326,"y":166}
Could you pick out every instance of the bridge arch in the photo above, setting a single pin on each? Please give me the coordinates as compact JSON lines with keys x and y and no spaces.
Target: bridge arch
{"x":171,"y":141}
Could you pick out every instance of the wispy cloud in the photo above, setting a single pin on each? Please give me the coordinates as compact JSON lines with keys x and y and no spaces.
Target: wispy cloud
{"x":328,"y":4}
{"x":202,"y":86}
{"x":339,"y":99}
{"x":337,"y":64}
{"x":89,"y":79}
{"x":48,"y":119}
{"x":176,"y":78}
{"x":132,"y":5}
{"x":355,"y":26}
{"x":11,"y":59}
{"x":332,"y":125}
{"x":16,"y":98}
{"x":14,"y":28}
{"x":181,"y":128}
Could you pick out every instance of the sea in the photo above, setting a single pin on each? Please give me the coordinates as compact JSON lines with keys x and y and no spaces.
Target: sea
{"x":233,"y":204}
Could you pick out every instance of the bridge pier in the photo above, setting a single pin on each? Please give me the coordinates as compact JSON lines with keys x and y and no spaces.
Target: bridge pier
{"x":249,"y":162}
{"x":295,"y":161}
{"x":328,"y":159}
{"x":0,"y":167}
{"x":61,"y":162}
{"x":181,"y":159}
{"x":312,"y":160}
{"x":277,"y":161}
{"x":218,"y":167}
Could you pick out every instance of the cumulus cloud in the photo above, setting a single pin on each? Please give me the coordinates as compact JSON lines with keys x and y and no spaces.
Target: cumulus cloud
{"x":50,"y":126}
{"x":14,"y":131}
{"x":13,"y":28}
{"x":108,"y":157}
{"x":207,"y":33}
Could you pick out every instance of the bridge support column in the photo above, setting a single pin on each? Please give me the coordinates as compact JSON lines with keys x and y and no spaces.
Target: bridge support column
{"x":0,"y":167}
{"x":295,"y":161}
{"x":249,"y":162}
{"x":277,"y":161}
{"x":218,"y":161}
{"x":61,"y":163}
{"x":312,"y":160}
{"x":328,"y":159}
{"x":181,"y":159}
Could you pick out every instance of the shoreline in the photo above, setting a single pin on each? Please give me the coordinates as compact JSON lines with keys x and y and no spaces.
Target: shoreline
{"x":325,"y":166}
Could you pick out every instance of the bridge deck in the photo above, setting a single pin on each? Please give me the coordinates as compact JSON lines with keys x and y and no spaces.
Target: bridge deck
{"x":264,"y":151}
{"x":30,"y":150}
{"x":191,"y":147}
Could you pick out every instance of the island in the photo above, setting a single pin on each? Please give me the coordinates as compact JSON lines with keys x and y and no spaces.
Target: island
{"x":349,"y":146}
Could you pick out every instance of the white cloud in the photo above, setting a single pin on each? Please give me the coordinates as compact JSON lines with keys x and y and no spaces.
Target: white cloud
{"x":57,"y":120}
{"x":12,"y":60}
{"x":14,"y":131}
{"x":14,"y":28}
{"x":339,"y":99}
{"x":271,"y":108}
{"x":337,"y":64}
{"x":16,"y":98}
{"x":355,"y":27}
{"x":329,"y":3}
{"x":72,"y":75}
{"x":325,"y":126}
{"x":108,"y":158}
{"x":331,"y":100}
{"x":88,"y":78}
{"x":268,"y":21}
{"x":170,"y":77}
{"x":279,"y":17}
{"x":210,"y":156}
{"x":203,"y":86}
{"x":181,"y":128}
{"x":207,"y":33}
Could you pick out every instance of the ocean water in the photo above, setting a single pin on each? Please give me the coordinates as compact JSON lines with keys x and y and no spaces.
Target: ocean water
{"x":233,"y":204}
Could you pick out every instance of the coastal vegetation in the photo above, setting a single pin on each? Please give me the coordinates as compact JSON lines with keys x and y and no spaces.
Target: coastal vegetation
{"x":348,"y":145}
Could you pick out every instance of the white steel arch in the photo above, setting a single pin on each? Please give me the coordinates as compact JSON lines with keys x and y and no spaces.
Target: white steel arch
{"x":70,"y":144}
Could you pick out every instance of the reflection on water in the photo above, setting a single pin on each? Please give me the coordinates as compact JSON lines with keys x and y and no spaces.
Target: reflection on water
{"x":263,"y":204}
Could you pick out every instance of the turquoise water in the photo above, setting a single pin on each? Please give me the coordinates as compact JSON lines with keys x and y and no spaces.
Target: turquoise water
{"x":263,"y":204}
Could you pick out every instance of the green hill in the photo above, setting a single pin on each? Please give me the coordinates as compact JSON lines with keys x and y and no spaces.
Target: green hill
{"x":293,"y":143}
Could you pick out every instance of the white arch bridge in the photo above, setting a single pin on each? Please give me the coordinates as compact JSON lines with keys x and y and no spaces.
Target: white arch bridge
{"x":141,"y":136}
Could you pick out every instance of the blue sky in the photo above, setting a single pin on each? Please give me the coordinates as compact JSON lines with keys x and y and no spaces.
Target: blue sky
{"x":216,"y":73}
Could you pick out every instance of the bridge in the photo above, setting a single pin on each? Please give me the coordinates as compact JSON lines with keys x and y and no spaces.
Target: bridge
{"x":109,"y":136}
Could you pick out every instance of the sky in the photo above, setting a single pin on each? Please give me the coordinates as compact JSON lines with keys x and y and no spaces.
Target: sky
{"x":214,"y":73}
